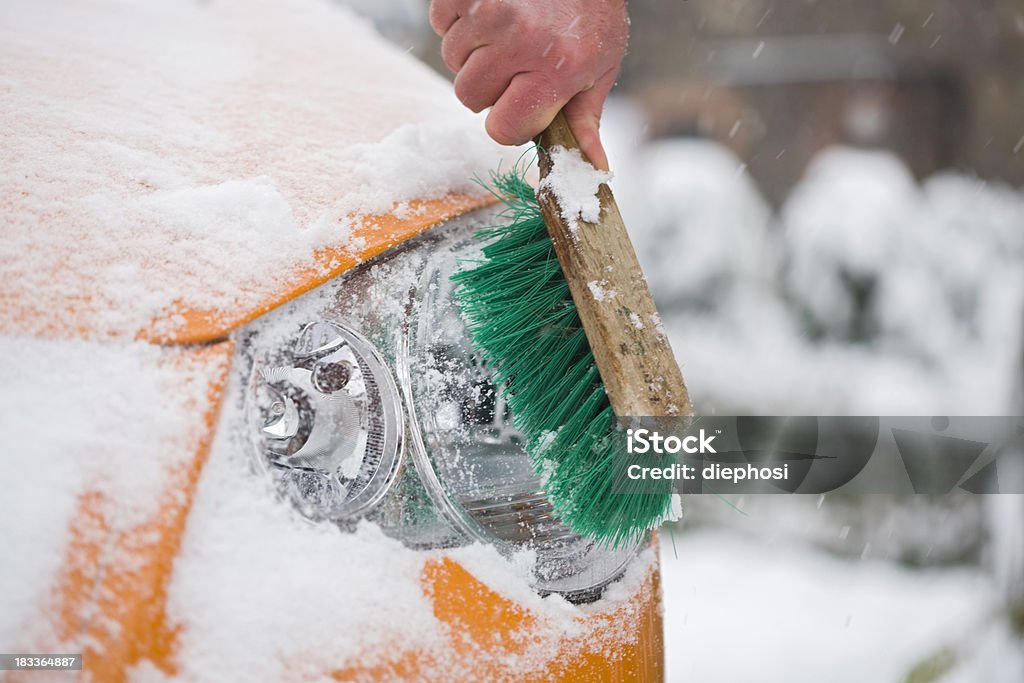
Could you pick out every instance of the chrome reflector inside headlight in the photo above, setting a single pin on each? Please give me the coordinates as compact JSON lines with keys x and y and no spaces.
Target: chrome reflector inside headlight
{"x":326,"y":417}
{"x":331,"y":422}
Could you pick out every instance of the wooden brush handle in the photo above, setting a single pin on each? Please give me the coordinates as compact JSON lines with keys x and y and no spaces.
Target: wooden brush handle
{"x":633,"y":355}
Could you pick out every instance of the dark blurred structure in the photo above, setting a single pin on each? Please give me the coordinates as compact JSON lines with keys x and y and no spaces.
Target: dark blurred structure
{"x":936,"y":82}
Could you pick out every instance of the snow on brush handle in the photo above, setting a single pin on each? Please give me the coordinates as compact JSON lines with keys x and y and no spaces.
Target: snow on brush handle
{"x":633,"y":355}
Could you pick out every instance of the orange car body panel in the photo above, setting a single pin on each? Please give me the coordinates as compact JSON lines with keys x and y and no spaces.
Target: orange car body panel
{"x":375,"y":234}
{"x":111,"y":590}
{"x":486,"y":629}
{"x":118,"y":607}
{"x":110,"y":594}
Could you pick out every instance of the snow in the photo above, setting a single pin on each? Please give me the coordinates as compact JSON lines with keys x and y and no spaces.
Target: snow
{"x":675,"y":512}
{"x":847,"y":218}
{"x":258,"y":589}
{"x":598,"y":291}
{"x":743,"y":610}
{"x":762,"y":310}
{"x":696,"y":224}
{"x":200,"y":155}
{"x":574,"y":182}
{"x":82,"y":417}
{"x":170,"y":153}
{"x":765,"y":311}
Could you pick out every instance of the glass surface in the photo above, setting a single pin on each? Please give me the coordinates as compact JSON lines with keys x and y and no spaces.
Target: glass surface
{"x":349,"y":379}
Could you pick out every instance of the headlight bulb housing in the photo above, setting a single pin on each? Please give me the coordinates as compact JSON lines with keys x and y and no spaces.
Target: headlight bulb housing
{"x":377,"y":366}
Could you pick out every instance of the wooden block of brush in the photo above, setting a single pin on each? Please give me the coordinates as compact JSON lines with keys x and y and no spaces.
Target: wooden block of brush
{"x":632,"y":353}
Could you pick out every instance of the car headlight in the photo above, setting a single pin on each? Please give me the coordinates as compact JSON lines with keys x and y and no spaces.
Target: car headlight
{"x":331,"y":422}
{"x":366,"y":399}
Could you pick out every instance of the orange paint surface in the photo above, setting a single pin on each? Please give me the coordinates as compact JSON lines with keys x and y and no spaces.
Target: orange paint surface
{"x":375,"y":234}
{"x":188,"y":323}
{"x":111,"y":593}
{"x":490,"y":638}
{"x":110,"y":596}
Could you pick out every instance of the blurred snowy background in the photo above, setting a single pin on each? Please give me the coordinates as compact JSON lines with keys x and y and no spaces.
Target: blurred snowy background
{"x":827,"y":199}
{"x":867,"y":291}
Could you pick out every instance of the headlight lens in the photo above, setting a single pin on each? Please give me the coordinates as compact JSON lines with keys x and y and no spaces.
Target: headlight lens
{"x":325,"y":413}
{"x":332,"y":423}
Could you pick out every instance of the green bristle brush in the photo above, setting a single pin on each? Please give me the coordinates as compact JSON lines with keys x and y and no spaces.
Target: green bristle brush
{"x":563,"y":314}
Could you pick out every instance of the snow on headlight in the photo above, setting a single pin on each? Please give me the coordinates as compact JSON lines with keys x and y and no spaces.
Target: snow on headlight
{"x":330,"y":423}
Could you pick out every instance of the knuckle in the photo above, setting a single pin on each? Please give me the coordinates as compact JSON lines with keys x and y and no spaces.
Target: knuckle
{"x":436,"y":16}
{"x":540,"y":26}
{"x":571,"y":56}
{"x":546,"y":87}
{"x":463,"y":88}
{"x":489,"y":12}
{"x":467,"y":90}
{"x":510,"y":17}
{"x":527,"y":23}
{"x":503,"y":129}
{"x":449,"y":53}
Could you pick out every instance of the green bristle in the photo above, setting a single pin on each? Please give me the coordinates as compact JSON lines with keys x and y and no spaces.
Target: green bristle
{"x":523,"y":321}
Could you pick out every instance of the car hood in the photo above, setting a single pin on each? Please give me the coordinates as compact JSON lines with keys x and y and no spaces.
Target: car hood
{"x":169,"y":171}
{"x":173,"y":170}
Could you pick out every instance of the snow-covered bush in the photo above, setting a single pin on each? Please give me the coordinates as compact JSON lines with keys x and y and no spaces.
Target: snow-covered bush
{"x":868,"y":293}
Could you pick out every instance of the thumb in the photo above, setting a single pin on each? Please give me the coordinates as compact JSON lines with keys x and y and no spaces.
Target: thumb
{"x":583,"y":113}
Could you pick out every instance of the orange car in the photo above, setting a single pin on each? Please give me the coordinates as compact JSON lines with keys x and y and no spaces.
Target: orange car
{"x":245,"y":436}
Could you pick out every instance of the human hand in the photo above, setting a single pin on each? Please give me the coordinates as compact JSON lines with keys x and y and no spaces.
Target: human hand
{"x":527,"y":59}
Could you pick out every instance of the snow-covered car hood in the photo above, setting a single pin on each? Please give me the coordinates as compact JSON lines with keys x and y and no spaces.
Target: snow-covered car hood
{"x":172,"y":170}
{"x":169,"y":171}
